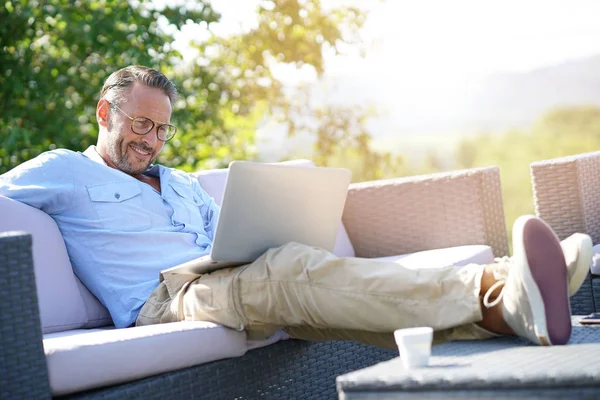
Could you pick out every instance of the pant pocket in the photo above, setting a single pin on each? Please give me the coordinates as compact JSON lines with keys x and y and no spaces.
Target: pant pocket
{"x":210,"y":298}
{"x":157,"y":309}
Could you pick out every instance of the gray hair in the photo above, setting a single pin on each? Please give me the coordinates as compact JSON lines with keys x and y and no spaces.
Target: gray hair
{"x":119,"y":82}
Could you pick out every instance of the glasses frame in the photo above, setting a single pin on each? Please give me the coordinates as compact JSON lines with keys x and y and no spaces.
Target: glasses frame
{"x":154,"y":124}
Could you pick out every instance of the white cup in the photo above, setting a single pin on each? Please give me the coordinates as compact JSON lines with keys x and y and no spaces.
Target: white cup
{"x":414,"y":345}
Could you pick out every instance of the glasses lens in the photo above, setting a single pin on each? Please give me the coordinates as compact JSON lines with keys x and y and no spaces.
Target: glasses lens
{"x":166,"y":132}
{"x":141,"y":125}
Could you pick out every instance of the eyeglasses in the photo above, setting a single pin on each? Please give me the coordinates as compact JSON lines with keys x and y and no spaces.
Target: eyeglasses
{"x":143,"y":125}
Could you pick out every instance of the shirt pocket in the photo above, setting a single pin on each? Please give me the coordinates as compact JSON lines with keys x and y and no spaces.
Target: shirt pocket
{"x":119,"y":206}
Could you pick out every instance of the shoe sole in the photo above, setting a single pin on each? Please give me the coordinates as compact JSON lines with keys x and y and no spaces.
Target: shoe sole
{"x":582,"y":267}
{"x":545,"y":280}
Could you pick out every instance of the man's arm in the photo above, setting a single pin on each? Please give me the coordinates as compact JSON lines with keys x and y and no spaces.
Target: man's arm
{"x":44,"y":182}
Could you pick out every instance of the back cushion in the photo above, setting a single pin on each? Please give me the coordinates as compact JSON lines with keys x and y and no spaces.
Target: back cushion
{"x":213,"y":181}
{"x":97,"y":314}
{"x":60,"y":302}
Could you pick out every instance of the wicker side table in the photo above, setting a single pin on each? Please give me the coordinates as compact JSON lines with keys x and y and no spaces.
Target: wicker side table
{"x":506,"y":367}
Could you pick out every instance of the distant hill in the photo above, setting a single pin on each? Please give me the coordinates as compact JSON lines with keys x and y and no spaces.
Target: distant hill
{"x":413,"y":124}
{"x":517,"y":100}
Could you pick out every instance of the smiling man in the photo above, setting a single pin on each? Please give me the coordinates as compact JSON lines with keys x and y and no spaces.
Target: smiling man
{"x":122,"y":217}
{"x":125,"y":219}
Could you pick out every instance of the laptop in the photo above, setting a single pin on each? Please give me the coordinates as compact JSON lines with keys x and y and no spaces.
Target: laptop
{"x":268,"y":205}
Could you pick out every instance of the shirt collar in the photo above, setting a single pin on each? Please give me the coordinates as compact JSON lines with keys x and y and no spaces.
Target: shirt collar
{"x":92,"y":153}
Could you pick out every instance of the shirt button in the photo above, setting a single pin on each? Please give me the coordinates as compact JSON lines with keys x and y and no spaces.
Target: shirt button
{"x":117,"y":196}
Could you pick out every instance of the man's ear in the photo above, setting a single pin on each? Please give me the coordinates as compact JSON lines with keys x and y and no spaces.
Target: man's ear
{"x":102,"y":112}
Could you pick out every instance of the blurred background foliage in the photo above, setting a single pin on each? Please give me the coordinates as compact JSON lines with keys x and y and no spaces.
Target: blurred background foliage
{"x":57,"y":53}
{"x":557,"y":133}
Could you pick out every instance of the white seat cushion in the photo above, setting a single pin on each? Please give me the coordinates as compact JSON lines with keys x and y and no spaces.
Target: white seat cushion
{"x":440,"y":258}
{"x":84,"y":359}
{"x":213,"y":181}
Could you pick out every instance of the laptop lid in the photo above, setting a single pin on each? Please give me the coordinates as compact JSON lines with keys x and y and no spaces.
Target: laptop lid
{"x":268,"y":205}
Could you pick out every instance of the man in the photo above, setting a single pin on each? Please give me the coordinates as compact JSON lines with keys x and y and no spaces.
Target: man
{"x":125,"y":219}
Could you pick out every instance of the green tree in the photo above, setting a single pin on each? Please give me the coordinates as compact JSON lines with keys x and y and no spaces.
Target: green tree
{"x":341,"y":136}
{"x":56,"y":54}
{"x":299,"y":33}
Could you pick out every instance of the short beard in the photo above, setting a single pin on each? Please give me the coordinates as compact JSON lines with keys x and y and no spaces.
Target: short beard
{"x":118,"y":155}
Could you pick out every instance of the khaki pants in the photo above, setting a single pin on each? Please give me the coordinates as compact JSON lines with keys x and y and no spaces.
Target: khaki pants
{"x":312,"y":294}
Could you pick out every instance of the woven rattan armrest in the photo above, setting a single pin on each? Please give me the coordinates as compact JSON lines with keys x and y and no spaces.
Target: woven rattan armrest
{"x":23,"y":373}
{"x":405,"y":215}
{"x":566,"y":193}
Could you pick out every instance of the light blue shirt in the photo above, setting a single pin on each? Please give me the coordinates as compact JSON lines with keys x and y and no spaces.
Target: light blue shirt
{"x":119,"y":232}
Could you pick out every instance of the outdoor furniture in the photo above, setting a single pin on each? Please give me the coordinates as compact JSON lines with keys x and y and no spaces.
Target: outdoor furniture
{"x":506,"y":367}
{"x":567,"y":196}
{"x":382,"y":219}
{"x":566,"y":193}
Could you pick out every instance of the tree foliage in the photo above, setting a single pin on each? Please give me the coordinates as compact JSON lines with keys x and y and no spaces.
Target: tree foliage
{"x":55,"y":57}
{"x":57,"y":53}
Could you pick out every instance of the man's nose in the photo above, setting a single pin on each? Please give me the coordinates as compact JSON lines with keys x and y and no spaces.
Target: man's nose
{"x":151,"y":138}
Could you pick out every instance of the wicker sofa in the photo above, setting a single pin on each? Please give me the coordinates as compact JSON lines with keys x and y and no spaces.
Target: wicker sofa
{"x":382,"y":218}
{"x":566,"y":193}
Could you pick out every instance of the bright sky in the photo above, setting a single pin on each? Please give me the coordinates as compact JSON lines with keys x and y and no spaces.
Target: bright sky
{"x":436,"y":42}
{"x":423,"y":56}
{"x":480,"y":37}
